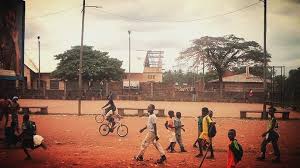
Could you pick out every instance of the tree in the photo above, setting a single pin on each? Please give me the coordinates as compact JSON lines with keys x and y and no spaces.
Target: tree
{"x":96,"y":65}
{"x":223,"y":53}
{"x":293,"y":87}
{"x":181,"y":77}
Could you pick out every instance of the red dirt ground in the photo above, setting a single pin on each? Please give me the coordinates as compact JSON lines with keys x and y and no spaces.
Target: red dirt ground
{"x":75,"y":142}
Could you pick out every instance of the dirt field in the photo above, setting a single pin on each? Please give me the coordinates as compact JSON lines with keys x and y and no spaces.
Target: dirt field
{"x":75,"y":142}
{"x":186,"y":108}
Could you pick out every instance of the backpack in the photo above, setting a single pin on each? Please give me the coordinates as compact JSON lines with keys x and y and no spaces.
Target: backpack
{"x":238,"y":153}
{"x":31,"y":128}
{"x":212,"y":130}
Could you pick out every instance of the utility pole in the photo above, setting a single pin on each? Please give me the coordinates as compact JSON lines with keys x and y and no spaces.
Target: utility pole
{"x":81,"y":55}
{"x":129,"y":63}
{"x":203,"y":82}
{"x":39,"y":80}
{"x":265,"y":58}
{"x":80,"y":60}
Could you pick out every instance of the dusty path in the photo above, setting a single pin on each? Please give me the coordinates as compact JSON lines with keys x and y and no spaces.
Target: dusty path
{"x":75,"y":142}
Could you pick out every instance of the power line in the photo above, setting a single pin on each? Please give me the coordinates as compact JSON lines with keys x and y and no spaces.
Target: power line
{"x":52,"y":13}
{"x":176,"y":21}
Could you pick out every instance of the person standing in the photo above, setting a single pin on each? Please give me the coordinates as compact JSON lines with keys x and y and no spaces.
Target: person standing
{"x":151,"y":137}
{"x":270,"y":136}
{"x":14,"y":108}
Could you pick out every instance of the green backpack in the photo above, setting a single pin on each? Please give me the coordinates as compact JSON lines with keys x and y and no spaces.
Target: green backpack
{"x":237,"y":150}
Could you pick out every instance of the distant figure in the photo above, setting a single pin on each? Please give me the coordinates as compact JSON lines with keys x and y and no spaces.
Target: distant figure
{"x":14,"y":108}
{"x":4,"y":110}
{"x":235,"y":150}
{"x":178,"y":128}
{"x":151,"y":137}
{"x":271,"y":136}
{"x":29,"y":138}
{"x":171,"y":129}
{"x":194,"y":95}
{"x":249,"y":96}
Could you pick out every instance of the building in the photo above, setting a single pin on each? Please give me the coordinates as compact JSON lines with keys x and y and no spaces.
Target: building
{"x":152,"y":71}
{"x":238,"y":83}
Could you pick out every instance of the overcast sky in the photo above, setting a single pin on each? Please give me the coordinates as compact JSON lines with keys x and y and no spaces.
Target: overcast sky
{"x":157,"y":25}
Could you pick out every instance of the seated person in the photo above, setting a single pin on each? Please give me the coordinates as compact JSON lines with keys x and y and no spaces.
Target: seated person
{"x":10,"y":136}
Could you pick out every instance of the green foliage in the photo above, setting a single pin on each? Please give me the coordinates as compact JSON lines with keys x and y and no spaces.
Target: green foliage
{"x":180,"y":77}
{"x":96,"y":65}
{"x":293,"y":87}
{"x":223,"y":53}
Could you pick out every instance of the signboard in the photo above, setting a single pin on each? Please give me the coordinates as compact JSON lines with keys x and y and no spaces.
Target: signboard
{"x":12,"y":16}
{"x":133,"y":84}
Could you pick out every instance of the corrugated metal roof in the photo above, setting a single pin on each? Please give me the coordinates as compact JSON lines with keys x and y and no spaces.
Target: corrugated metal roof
{"x":243,"y":78}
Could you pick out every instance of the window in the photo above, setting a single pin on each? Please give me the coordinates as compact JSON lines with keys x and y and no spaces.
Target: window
{"x":151,"y":76}
{"x":54,"y":84}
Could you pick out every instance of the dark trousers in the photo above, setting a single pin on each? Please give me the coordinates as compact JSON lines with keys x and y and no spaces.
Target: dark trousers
{"x":273,"y":138}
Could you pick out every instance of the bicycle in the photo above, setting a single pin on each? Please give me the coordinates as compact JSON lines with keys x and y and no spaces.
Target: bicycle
{"x":100,"y":117}
{"x":122,"y":130}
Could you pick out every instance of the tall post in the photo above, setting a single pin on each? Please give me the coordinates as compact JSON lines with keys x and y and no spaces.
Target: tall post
{"x":39,"y":80}
{"x":80,"y":60}
{"x":203,"y":82}
{"x":265,"y":57}
{"x":129,"y":53}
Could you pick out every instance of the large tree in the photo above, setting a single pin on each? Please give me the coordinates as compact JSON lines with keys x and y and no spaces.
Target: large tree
{"x":223,"y":53}
{"x":96,"y":65}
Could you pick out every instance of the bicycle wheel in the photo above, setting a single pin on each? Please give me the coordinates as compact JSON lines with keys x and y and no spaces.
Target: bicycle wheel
{"x":104,"y":129}
{"x":122,"y":130}
{"x":99,"y":118}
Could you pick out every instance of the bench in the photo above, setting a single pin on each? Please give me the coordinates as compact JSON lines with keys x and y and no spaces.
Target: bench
{"x":140,"y":111}
{"x":285,"y":114}
{"x":26,"y":109}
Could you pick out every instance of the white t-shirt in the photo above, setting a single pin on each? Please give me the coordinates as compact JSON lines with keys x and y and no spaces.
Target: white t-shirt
{"x":151,"y":121}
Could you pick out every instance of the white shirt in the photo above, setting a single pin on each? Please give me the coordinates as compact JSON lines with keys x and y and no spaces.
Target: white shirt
{"x":151,"y":121}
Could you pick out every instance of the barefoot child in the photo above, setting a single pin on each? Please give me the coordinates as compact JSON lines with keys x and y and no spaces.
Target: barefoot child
{"x":235,"y":150}
{"x":171,"y":129}
{"x":29,"y":137}
{"x":178,"y":128}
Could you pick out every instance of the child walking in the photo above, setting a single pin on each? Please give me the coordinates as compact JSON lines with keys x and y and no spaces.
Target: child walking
{"x":204,"y":136}
{"x":235,"y":150}
{"x":271,"y":136}
{"x":170,"y":127}
{"x":178,"y":128}
{"x":151,"y":137}
{"x":29,"y":138}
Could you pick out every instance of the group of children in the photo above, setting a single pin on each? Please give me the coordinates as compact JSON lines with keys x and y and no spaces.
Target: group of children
{"x":28,"y":136}
{"x":206,"y":133}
